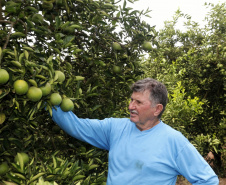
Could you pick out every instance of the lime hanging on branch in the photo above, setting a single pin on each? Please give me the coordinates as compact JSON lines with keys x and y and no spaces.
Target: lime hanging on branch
{"x":34,"y":94}
{"x":21,"y":87}
{"x":147,"y":46}
{"x":55,"y":99}
{"x":3,"y":168}
{"x":67,"y":105}
{"x":4,"y":76}
{"x":116,"y":46}
{"x":46,"y":89}
{"x":116,"y":69}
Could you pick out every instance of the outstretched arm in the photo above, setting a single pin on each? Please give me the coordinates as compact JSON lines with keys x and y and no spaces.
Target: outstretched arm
{"x":93,"y":131}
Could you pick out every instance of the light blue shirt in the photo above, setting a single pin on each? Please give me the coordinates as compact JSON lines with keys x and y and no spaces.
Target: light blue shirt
{"x":151,"y":157}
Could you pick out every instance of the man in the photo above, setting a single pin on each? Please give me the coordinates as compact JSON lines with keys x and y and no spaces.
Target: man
{"x":142,"y":150}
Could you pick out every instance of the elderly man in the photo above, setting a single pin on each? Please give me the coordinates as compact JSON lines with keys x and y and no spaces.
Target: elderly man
{"x":142,"y":150}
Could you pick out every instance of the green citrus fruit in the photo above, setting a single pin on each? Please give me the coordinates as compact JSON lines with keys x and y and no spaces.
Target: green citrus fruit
{"x":67,"y":105}
{"x":102,"y":63}
{"x":55,"y":99}
{"x":224,"y":48}
{"x":116,"y":69}
{"x":2,"y":117}
{"x":4,"y":168}
{"x":4,"y":76}
{"x":61,"y":76}
{"x":25,"y":158}
{"x":21,"y":87}
{"x":116,"y":46}
{"x":34,"y":93}
{"x":46,"y":89}
{"x":147,"y":45}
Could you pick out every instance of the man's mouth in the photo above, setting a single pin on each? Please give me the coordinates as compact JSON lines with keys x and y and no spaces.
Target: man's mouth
{"x":133,"y":112}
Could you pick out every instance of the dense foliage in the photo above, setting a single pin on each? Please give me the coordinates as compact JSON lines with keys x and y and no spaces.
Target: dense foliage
{"x":192,"y":63}
{"x":86,"y":51}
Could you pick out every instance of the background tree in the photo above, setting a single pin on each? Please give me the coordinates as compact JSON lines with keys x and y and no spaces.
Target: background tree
{"x":192,"y":64}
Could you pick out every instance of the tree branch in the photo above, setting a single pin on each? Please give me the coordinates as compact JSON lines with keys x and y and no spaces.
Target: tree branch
{"x":8,"y":36}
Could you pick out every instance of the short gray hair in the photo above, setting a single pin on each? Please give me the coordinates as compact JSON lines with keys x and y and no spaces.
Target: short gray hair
{"x":158,"y":91}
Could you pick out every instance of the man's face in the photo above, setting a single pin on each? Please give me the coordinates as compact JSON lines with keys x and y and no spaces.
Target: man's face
{"x":142,"y":112}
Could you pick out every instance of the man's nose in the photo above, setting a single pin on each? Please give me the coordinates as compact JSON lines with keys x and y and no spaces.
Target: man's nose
{"x":131,"y":105}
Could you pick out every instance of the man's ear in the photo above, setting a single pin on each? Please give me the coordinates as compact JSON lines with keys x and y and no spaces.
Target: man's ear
{"x":158,"y":109}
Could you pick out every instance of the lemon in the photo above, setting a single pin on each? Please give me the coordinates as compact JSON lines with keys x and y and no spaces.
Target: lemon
{"x":66,"y":105}
{"x":4,"y":76}
{"x":21,"y":87}
{"x":55,"y":99}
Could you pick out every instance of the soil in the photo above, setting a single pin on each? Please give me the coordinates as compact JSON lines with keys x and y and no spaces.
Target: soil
{"x":183,"y":181}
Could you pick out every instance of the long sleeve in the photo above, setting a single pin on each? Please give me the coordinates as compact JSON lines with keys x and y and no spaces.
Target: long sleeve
{"x":194,"y":168}
{"x":93,"y":131}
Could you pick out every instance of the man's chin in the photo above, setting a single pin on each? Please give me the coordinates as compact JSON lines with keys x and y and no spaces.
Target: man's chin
{"x":133,"y":120}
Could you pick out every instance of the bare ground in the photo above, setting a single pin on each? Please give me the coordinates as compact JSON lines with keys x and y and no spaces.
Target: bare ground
{"x":183,"y":181}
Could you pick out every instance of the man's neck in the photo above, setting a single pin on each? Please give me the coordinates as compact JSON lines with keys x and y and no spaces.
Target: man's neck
{"x":147,"y":126}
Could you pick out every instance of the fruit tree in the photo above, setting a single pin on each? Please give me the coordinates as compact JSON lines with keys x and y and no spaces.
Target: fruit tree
{"x":84,"y":53}
{"x":192,"y":64}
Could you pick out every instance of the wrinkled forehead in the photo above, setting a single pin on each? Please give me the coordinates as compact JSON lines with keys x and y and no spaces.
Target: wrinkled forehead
{"x":141,"y":94}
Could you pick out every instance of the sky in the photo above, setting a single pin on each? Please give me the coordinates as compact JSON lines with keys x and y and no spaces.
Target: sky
{"x":162,"y":10}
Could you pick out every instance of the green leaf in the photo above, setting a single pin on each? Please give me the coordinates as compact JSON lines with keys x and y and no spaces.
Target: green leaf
{"x":36,"y":177}
{"x":8,"y":183}
{"x":58,"y":22}
{"x":93,"y":166}
{"x":78,"y":78}
{"x":96,"y":107}
{"x":68,"y":39}
{"x":124,"y":4}
{"x":20,"y":176}
{"x":118,"y":15}
{"x":78,"y":177}
{"x":66,"y":24}
{"x":21,"y":161}
{"x":54,"y":162}
{"x":18,"y":34}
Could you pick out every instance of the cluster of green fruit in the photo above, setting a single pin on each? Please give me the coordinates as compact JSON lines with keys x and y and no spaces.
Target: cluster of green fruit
{"x":146,"y":46}
{"x":34,"y":93}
